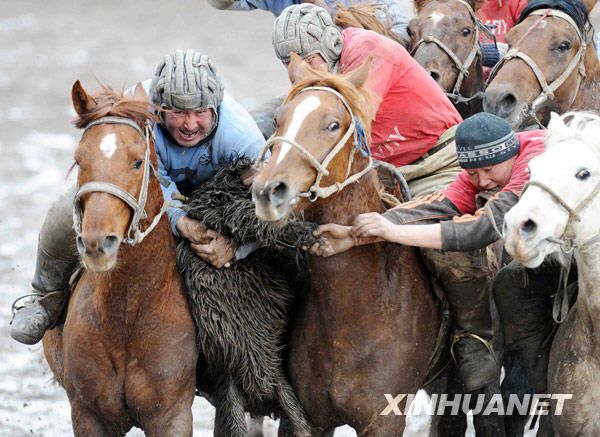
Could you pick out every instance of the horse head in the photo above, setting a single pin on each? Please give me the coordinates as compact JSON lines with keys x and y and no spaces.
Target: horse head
{"x":114,"y":156}
{"x":560,"y":206}
{"x":320,"y":143}
{"x":551,"y":53}
{"x":445,"y":41}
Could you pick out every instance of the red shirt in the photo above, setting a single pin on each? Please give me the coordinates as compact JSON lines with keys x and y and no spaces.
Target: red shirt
{"x":501,"y":13}
{"x":462,"y":191}
{"x":413,"y":110}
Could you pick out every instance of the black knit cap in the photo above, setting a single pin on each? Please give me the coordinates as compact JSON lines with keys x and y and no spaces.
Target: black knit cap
{"x":485,"y":139}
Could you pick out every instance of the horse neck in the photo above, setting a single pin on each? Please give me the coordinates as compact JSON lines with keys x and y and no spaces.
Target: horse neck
{"x":588,"y":299}
{"x":471,"y":85}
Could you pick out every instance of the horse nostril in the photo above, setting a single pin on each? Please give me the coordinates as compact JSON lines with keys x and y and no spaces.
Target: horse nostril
{"x":435,"y":75}
{"x":277,"y":191}
{"x":80,"y":244}
{"x":528,"y":226}
{"x":110,"y":244}
{"x":506,"y":104}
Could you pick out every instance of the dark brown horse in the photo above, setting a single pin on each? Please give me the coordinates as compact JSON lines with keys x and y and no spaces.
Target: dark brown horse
{"x":126,"y":354}
{"x":445,"y":42}
{"x":551,"y":66}
{"x":368,"y":325}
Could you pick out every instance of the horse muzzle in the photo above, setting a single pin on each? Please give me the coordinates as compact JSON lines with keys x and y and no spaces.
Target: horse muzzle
{"x":273,"y":201}
{"x":98,"y":252}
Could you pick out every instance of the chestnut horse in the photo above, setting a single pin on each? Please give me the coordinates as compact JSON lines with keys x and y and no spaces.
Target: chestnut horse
{"x":126,"y":354}
{"x":445,"y":42}
{"x":368,"y":324}
{"x":551,"y":66}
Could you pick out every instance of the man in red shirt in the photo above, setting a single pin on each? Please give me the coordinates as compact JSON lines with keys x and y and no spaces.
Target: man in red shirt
{"x":455,"y":229}
{"x":501,"y":16}
{"x":414,"y":123}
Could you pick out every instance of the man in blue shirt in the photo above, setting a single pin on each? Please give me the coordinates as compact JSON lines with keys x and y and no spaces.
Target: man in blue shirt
{"x":201,"y":126}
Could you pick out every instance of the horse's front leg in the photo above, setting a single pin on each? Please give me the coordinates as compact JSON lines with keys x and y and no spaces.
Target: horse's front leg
{"x":175,"y":422}
{"x":86,"y":423}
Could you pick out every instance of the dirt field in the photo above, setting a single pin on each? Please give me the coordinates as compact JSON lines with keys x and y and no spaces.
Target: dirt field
{"x":44,"y":47}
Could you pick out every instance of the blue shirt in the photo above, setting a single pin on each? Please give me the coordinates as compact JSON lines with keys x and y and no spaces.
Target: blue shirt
{"x":185,"y":168}
{"x":391,"y":8}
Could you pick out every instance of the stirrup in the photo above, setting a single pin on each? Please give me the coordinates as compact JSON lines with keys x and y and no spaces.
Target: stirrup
{"x":457,"y":337}
{"x":14,"y":308}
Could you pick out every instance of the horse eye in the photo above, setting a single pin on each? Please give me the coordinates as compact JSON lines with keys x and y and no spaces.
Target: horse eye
{"x":564,"y":46}
{"x":137,"y":164}
{"x":333,"y":126}
{"x":583,"y":174}
{"x":466,"y":31}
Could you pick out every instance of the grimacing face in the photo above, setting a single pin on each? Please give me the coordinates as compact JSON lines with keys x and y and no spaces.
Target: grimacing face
{"x":492,"y":176}
{"x":189,"y":127}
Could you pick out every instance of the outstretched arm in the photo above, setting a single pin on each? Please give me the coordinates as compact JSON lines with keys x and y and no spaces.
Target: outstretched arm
{"x":375,"y":226}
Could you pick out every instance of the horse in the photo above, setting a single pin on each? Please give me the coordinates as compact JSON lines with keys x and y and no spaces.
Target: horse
{"x":126,"y":352}
{"x":445,"y":42}
{"x":557,"y":216}
{"x":551,"y":65}
{"x":366,"y":328}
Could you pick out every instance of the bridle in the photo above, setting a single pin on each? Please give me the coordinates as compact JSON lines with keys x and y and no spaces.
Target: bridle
{"x":360,"y":144}
{"x":566,"y":242}
{"x":134,"y":233}
{"x":463,"y":67}
{"x":547,"y":89}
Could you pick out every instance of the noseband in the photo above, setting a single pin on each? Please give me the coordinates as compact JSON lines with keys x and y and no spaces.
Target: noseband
{"x":360,"y":144}
{"x":463,"y":67}
{"x":548,"y":89}
{"x":134,"y":234}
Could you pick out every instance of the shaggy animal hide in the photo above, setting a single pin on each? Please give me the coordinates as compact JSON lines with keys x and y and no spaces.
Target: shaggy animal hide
{"x":241,"y":312}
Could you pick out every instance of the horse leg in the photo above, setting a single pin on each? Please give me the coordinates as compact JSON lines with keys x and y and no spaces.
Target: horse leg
{"x":174,"y":423}
{"x":450,"y":424}
{"x":287,"y":430}
{"x":87,"y":424}
{"x":292,"y":408}
{"x":230,"y":418}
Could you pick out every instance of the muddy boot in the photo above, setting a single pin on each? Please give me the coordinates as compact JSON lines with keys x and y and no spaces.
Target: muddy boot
{"x":45,"y":305}
{"x":56,"y":260}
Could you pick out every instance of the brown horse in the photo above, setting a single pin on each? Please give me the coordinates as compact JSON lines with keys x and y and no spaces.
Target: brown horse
{"x":551,"y":66}
{"x":368,"y":324}
{"x":445,"y":42}
{"x":126,"y":354}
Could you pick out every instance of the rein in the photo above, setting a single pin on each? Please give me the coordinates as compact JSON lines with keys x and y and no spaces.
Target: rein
{"x":134,"y":234}
{"x":463,"y":67}
{"x":547,"y":89}
{"x":359,"y":141}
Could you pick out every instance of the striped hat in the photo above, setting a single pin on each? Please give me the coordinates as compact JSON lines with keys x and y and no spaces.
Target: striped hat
{"x":485,"y":139}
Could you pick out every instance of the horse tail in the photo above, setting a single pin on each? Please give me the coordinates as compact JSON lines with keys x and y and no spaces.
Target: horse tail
{"x":364,"y":16}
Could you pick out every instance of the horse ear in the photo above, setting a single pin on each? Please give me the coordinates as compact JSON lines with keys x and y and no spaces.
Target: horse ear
{"x":140,"y":92}
{"x":477,"y":4}
{"x":82,"y":101}
{"x":359,"y":76}
{"x":419,"y":4}
{"x":556,"y":121}
{"x":298,"y":68}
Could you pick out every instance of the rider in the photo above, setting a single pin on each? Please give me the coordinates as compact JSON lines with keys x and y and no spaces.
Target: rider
{"x":454,"y":228}
{"x":501,"y":16}
{"x":414,"y":125}
{"x":389,"y":12}
{"x":201,"y":126}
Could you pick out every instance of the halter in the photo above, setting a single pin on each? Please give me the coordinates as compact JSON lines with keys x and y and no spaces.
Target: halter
{"x":463,"y":67}
{"x":360,"y":143}
{"x":134,"y":234}
{"x":548,"y":90}
{"x":567,"y":244}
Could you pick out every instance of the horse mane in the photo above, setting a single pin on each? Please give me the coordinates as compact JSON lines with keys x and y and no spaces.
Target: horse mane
{"x":575,"y":9}
{"x":364,"y":16}
{"x":582,"y":126}
{"x":475,"y":4}
{"x":110,"y":102}
{"x":358,"y":99}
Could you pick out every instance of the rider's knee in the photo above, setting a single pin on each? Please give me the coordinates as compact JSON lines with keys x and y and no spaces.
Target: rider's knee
{"x":457,"y":266}
{"x":57,"y":235}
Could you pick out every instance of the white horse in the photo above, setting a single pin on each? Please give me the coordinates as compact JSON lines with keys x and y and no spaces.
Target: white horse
{"x":559,"y":215}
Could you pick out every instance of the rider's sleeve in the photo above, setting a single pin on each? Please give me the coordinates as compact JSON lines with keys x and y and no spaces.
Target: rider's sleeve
{"x":470,"y":232}
{"x":274,"y":6}
{"x":237,"y":134}
{"x":429,"y":209}
{"x":169,"y":188}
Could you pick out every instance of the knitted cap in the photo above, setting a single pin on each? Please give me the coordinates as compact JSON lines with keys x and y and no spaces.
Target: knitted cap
{"x":485,"y":139}
{"x":307,"y":29}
